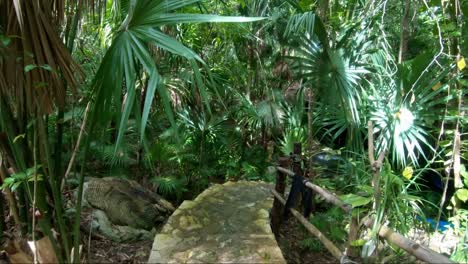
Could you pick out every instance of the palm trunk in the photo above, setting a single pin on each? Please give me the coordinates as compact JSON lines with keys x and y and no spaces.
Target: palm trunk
{"x":404,"y":36}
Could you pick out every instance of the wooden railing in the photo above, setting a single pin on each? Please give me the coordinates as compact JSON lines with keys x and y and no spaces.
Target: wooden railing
{"x":413,"y":248}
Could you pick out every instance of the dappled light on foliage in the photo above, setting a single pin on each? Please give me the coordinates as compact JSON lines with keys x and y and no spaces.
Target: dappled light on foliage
{"x":179,"y":95}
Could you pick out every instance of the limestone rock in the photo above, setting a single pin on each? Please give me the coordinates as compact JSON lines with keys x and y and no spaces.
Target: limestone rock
{"x":126,"y":203}
{"x":118,"y":233}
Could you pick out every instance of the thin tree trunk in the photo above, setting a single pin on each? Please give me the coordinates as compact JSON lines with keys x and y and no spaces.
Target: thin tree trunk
{"x":2,"y":217}
{"x":404,"y":36}
{"x":455,"y":50}
{"x":323,"y":10}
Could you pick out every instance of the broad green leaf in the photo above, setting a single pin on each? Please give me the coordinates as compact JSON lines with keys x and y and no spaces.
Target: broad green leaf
{"x":164,"y":41}
{"x":462,"y":194}
{"x":29,"y":67}
{"x":366,"y":188}
{"x":355,"y":200}
{"x":30,"y":171}
{"x":358,"y":243}
{"x":47,"y":67}
{"x":15,"y":186}
{"x":5,"y":40}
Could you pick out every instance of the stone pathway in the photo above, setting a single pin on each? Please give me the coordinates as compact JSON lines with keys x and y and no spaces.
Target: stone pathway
{"x":226,"y":223}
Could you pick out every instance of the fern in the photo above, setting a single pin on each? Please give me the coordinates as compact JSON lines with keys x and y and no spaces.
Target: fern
{"x":170,"y":186}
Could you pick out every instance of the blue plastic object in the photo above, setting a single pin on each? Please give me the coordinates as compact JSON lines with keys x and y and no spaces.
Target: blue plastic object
{"x":443,"y":225}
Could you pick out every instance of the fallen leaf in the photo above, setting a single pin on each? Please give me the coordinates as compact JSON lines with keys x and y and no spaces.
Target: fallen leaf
{"x":45,"y":250}
{"x":16,"y":253}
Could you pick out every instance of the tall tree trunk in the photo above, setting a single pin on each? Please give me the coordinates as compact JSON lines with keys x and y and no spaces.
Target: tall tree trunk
{"x":2,"y":217}
{"x":456,"y":51}
{"x":404,"y":36}
{"x":323,"y":10}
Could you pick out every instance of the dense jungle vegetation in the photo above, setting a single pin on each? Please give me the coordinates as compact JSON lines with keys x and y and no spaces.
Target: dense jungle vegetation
{"x":178,"y":94}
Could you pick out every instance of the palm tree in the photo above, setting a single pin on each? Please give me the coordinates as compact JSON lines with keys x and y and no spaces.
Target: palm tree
{"x":128,"y":66}
{"x":36,"y":70}
{"x":332,"y":72}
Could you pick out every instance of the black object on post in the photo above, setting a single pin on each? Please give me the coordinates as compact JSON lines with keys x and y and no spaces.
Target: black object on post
{"x":297,"y":159}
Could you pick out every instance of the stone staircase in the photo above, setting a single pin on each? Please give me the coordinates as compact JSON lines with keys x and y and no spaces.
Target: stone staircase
{"x":226,"y":223}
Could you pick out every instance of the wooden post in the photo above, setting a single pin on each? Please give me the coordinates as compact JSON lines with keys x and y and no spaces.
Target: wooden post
{"x":280,"y":186}
{"x":334,"y":250}
{"x":297,"y":159}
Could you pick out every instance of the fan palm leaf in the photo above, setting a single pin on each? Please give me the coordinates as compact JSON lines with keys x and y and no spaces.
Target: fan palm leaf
{"x":129,"y":53}
{"x":402,"y":119}
{"x":334,"y":77}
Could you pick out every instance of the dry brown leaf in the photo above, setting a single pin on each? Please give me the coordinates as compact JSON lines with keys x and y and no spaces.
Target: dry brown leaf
{"x":16,"y":253}
{"x":45,"y":250}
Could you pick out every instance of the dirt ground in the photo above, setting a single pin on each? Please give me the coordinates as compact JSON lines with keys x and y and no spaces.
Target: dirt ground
{"x":105,"y":251}
{"x":289,"y":240}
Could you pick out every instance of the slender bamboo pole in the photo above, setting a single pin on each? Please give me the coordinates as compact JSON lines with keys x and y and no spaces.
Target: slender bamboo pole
{"x":77,"y":146}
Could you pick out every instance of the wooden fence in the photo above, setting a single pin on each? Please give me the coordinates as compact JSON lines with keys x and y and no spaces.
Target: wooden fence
{"x":413,"y":248}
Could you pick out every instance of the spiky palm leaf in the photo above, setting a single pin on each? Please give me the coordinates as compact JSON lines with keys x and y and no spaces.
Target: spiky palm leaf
{"x":266,"y":114}
{"x":403,"y":116}
{"x":333,"y":75}
{"x":129,"y":54}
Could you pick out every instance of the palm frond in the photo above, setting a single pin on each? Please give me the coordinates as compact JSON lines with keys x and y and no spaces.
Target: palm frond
{"x":36,"y":81}
{"x":129,"y":49}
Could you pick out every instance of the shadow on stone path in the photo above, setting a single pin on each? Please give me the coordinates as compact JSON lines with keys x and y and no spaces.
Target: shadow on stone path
{"x":226,"y":223}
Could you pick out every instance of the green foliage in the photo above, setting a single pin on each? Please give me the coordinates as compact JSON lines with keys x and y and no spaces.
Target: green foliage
{"x":21,"y":178}
{"x":129,"y":55}
{"x":460,"y":222}
{"x":399,"y":204}
{"x":170,"y":186}
{"x":312,"y":244}
{"x":223,"y":96}
{"x":295,"y":127}
{"x":255,"y":163}
{"x":355,"y":200}
{"x":335,"y":232}
{"x":334,"y":75}
{"x":121,"y":157}
{"x":402,"y":121}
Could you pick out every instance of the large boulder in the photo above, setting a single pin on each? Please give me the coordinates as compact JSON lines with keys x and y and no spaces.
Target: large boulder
{"x":126,"y":203}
